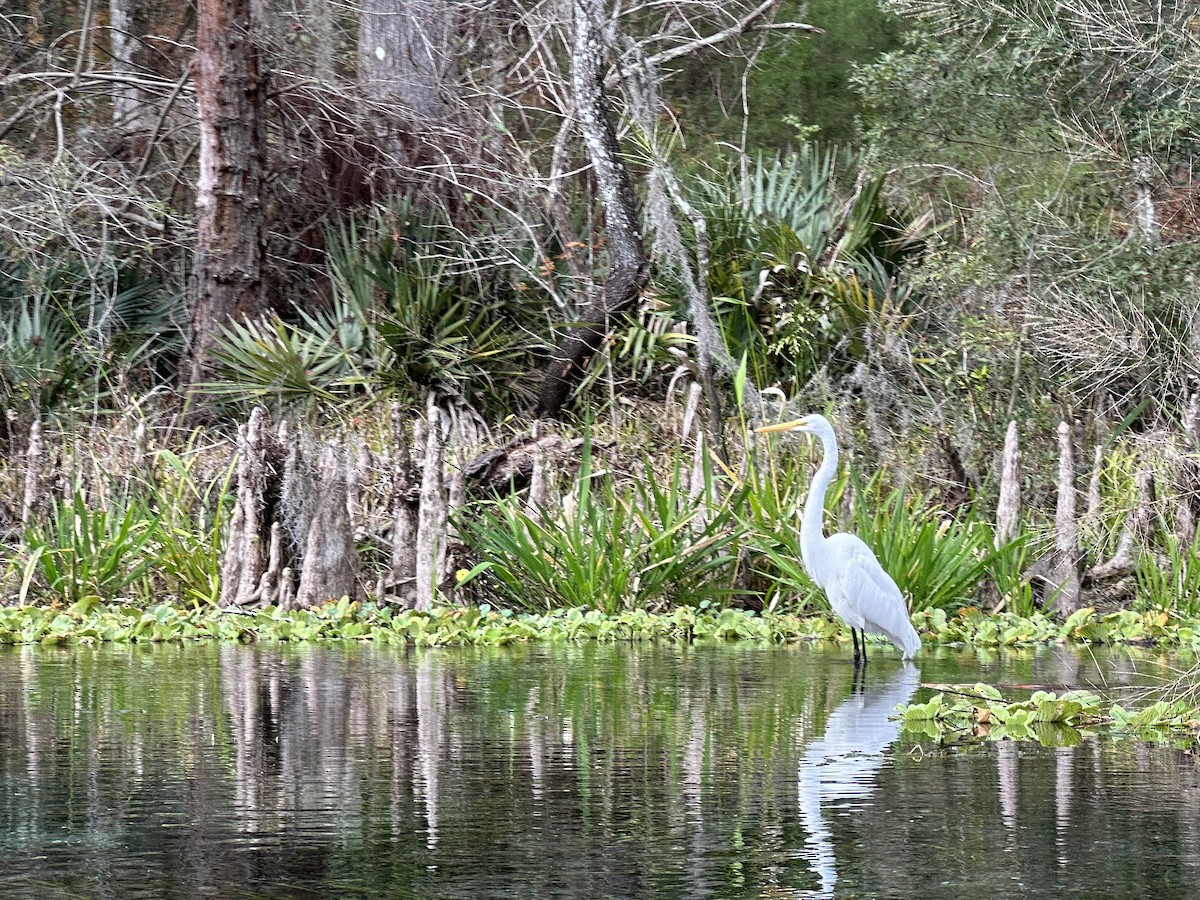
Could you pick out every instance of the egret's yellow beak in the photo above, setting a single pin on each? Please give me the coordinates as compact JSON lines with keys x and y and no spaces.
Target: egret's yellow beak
{"x":781,"y":426}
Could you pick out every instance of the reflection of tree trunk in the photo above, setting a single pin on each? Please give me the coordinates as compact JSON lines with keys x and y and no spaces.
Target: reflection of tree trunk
{"x":627,"y":265}
{"x":537,"y":744}
{"x":1064,"y":793}
{"x":430,"y":732}
{"x":240,"y":686}
{"x":1006,"y":771}
{"x":229,"y":202}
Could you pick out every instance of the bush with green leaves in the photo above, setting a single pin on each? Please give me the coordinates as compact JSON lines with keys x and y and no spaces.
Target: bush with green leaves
{"x":806,"y":258}
{"x":67,"y":336}
{"x":412,"y":308}
{"x":647,"y":545}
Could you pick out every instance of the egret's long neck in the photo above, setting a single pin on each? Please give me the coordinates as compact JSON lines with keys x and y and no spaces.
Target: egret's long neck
{"x":811,"y":534}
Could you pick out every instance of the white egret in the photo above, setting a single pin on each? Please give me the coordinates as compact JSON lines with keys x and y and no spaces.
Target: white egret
{"x":858,"y":588}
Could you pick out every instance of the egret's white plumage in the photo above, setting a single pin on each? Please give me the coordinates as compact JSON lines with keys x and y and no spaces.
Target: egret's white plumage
{"x":858,"y":588}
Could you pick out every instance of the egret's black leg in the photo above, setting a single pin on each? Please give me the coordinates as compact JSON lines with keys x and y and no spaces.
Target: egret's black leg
{"x":862,"y":637}
{"x":857,"y":657}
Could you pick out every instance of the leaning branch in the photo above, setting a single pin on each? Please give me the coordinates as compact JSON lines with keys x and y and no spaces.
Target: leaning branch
{"x":628,"y":268}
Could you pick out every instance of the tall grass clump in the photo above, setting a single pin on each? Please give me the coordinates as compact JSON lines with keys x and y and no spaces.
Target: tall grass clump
{"x":143,"y":531}
{"x":1169,"y":581}
{"x":770,"y":496}
{"x":937,"y":560}
{"x":187,"y":542}
{"x":645,"y":545}
{"x":81,"y":550}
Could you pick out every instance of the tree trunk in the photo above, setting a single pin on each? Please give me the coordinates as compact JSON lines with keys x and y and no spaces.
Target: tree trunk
{"x":330,"y":567}
{"x":1008,"y":509}
{"x":229,"y":204}
{"x":1066,"y":529}
{"x":405,"y":54}
{"x":627,"y":265}
{"x":131,"y":106}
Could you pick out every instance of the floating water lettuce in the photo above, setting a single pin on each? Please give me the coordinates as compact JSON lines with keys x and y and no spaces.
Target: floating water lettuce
{"x":91,"y":620}
{"x":980,"y":712}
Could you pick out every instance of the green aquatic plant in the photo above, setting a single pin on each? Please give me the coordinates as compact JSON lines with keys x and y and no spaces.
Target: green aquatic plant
{"x":972,"y":626}
{"x":90,"y":620}
{"x":981,"y":712}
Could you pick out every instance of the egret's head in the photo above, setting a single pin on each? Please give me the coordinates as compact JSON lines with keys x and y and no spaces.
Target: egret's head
{"x":811,"y":424}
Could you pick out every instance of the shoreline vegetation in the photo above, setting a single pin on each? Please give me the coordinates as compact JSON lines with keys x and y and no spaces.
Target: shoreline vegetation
{"x":507,"y":342}
{"x":93,"y":622}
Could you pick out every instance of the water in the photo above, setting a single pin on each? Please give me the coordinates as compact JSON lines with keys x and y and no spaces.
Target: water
{"x":584,"y":771}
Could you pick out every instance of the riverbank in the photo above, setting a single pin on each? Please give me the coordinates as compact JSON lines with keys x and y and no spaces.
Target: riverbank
{"x":89,"y":622}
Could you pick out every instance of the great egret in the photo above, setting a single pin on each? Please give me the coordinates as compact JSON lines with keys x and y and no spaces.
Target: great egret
{"x":858,"y":588}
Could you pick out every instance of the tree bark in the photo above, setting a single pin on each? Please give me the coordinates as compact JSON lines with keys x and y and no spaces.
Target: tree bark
{"x":1066,"y":528}
{"x":627,"y":265}
{"x":405,"y":55}
{"x":1008,"y":509}
{"x":330,"y":567}
{"x":229,"y":223}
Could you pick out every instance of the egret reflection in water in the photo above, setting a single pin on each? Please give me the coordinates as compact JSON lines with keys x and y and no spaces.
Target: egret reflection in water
{"x":842,"y":764}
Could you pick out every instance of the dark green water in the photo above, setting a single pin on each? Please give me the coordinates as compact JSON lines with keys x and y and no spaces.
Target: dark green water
{"x":587,"y":772}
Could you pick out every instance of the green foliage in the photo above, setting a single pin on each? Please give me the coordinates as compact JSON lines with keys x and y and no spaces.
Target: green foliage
{"x":980,"y":712}
{"x":646,"y":546}
{"x":805,"y":262}
{"x":799,"y":85}
{"x":84,"y":551}
{"x":1121,"y":73}
{"x":1170,"y":581}
{"x":937,"y":561}
{"x":412,"y":309}
{"x":1007,"y":567}
{"x":1034,"y":131}
{"x":91,"y":621}
{"x":972,"y":626}
{"x":139,"y":538}
{"x":66,"y":337}
{"x":187,"y":530}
